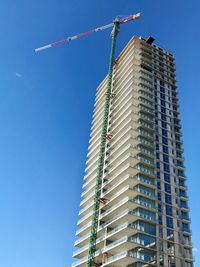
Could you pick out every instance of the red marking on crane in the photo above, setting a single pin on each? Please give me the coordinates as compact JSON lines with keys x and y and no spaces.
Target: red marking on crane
{"x":59,"y":42}
{"x":85,"y":33}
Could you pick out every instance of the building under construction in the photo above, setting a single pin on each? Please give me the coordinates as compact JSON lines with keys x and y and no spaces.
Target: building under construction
{"x":143,"y":215}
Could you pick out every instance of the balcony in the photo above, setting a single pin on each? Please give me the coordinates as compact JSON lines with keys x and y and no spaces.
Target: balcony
{"x":87,"y":200}
{"x":127,"y":181}
{"x":83,"y":251}
{"x":89,"y":190}
{"x":179,"y":148}
{"x":133,"y":172}
{"x":86,"y":209}
{"x":128,"y":258}
{"x":146,"y":151}
{"x":146,"y":109}
{"x":84,"y":230}
{"x":126,"y":203}
{"x":149,"y":162}
{"x":146,"y":134}
{"x":146,"y":142}
{"x":112,"y":235}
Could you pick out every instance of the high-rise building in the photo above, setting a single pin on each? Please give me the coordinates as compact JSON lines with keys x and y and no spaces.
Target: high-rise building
{"x":144,"y":215}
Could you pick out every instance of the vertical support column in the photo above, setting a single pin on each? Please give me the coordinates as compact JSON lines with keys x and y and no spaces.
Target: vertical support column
{"x":95,"y":216}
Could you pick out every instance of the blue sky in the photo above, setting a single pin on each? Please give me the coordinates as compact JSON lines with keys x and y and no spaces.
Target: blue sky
{"x":46,"y":103}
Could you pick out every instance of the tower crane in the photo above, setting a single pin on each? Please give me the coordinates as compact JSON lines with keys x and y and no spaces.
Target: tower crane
{"x":104,"y":134}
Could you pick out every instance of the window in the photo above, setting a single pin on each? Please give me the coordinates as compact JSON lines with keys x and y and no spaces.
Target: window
{"x":159,"y":196}
{"x":158,"y":185}
{"x":145,"y":202}
{"x":170,"y":232}
{"x":146,"y":227}
{"x":163,"y":117}
{"x":163,"y":110}
{"x":143,"y":239}
{"x":162,"y":83}
{"x":160,"y":219}
{"x":160,"y":232}
{"x":184,"y":215}
{"x":168,"y":210}
{"x":166,"y":167}
{"x":158,"y":165}
{"x":167,"y":188}
{"x":146,"y":190}
{"x":167,"y":177}
{"x":164,"y":140}
{"x":162,"y":96}
{"x":144,"y":214}
{"x":168,"y":199}
{"x":188,"y":264}
{"x":162,"y":102}
{"x":159,"y":207}
{"x":182,"y":193}
{"x":185,"y":227}
{"x":165,"y":149}
{"x":183,"y":204}
{"x":164,"y":132}
{"x":169,"y":222}
{"x":145,"y":179}
{"x":165,"y":158}
{"x":162,"y":89}
{"x":164,"y":124}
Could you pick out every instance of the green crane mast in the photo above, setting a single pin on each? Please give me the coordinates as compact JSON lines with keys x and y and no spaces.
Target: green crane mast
{"x":94,"y":227}
{"x":97,"y":196}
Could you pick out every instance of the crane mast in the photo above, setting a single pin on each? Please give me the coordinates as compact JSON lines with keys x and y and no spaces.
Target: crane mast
{"x":104,"y":133}
{"x":95,"y":215}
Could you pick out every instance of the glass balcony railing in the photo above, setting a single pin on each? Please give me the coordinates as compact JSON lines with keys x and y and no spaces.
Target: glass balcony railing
{"x":142,"y":255}
{"x":178,"y":147}
{"x":144,"y":214}
{"x":182,"y":183}
{"x":180,"y":165}
{"x":146,"y":179}
{"x":183,"y":205}
{"x":183,"y":194}
{"x":181,"y":174}
{"x":146,"y":133}
{"x":114,"y":218}
{"x":146,"y":142}
{"x":146,"y":109}
{"x":144,"y":169}
{"x":186,"y":229}
{"x":145,"y":150}
{"x":145,"y":124}
{"x":115,"y":257}
{"x":116,"y":229}
{"x":185,"y":217}
{"x":146,"y":160}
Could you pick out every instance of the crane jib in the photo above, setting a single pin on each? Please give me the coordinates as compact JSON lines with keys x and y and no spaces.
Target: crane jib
{"x":68,"y":39}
